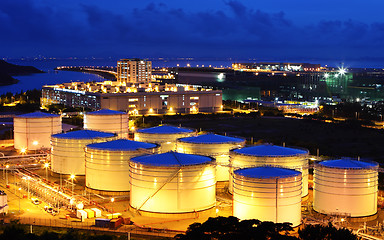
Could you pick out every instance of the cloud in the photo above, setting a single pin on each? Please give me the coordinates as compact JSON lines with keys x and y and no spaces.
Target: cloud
{"x":235,"y":30}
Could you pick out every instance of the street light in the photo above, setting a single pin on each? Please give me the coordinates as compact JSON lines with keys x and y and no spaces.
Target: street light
{"x":112,"y":200}
{"x":28,"y":178}
{"x":19,"y":198}
{"x":6,"y":174}
{"x":46,"y":165}
{"x":72,"y":177}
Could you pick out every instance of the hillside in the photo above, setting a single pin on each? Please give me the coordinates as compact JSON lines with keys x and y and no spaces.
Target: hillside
{"x":13,"y":69}
{"x":7,"y":70}
{"x":6,"y":79}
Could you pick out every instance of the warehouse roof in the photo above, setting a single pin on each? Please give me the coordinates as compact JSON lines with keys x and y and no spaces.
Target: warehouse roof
{"x":37,"y":115}
{"x":268,"y":150}
{"x":348,"y":163}
{"x":171,"y":159}
{"x":266,"y":172}
{"x":211,"y":138}
{"x":121,"y":145}
{"x":106,"y":112}
{"x":83,"y":134}
{"x":165,"y":129}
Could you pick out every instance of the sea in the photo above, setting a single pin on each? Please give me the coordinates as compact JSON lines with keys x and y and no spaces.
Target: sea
{"x":51,"y":77}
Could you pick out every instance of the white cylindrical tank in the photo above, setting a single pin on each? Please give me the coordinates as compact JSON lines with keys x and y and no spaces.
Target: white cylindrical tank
{"x":346,"y":187}
{"x":33,"y":131}
{"x":267,"y":154}
{"x":107,"y":121}
{"x":213,"y":145}
{"x":163,"y":135}
{"x":67,"y":152}
{"x":172,"y":183}
{"x":107,"y":163}
{"x":268,"y":194}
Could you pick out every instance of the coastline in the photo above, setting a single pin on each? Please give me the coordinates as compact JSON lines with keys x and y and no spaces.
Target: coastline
{"x":105,"y":75}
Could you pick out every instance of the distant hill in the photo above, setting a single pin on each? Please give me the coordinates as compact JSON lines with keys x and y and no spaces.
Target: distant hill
{"x":13,"y":69}
{"x":7,"y":70}
{"x":6,"y":79}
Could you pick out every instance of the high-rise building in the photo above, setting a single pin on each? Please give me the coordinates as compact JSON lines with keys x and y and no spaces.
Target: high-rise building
{"x":133,"y":71}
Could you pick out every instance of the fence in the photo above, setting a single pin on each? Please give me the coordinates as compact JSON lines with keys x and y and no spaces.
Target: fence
{"x":87,"y":225}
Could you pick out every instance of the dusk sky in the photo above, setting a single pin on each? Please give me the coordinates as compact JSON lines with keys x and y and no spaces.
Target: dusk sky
{"x":272,"y":29}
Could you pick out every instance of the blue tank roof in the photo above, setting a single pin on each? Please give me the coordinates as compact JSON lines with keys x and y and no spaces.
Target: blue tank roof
{"x":83,"y":134}
{"x":170,"y":159}
{"x":266,"y":172}
{"x":121,"y":145}
{"x":38,"y":115}
{"x":211,"y":138}
{"x":268,"y":150}
{"x":348,"y":164}
{"x":106,"y":112}
{"x":164,"y":129}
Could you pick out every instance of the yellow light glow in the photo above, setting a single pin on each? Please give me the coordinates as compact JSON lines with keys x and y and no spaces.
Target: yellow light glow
{"x":72,"y":176}
{"x":112,"y":199}
{"x":46,"y":165}
{"x":35,"y":143}
{"x":23,"y":150}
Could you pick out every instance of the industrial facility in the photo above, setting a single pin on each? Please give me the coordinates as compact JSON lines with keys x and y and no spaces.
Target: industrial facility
{"x":107,"y":121}
{"x":163,"y":135}
{"x":67,"y":153}
{"x":172,"y":183}
{"x":33,"y":131}
{"x":345,"y":187}
{"x":172,"y":172}
{"x":268,"y":194}
{"x":267,"y":154}
{"x":107,"y":163}
{"x":216,"y":146}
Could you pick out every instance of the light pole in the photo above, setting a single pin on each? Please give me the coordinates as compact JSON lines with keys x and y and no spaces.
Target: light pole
{"x":46,"y":165}
{"x":113,"y":211}
{"x":6,"y":174}
{"x":19,"y":198}
{"x":28,"y":184}
{"x":35,"y":143}
{"x":72,"y":177}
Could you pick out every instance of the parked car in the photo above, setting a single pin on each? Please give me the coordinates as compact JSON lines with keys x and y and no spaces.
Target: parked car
{"x":35,"y":201}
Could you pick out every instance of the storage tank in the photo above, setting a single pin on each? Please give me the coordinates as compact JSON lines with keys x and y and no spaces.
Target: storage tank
{"x":172,"y":183}
{"x":33,"y":131}
{"x":347,"y":187}
{"x":107,"y":163}
{"x":216,"y":146}
{"x":107,"y":121}
{"x":268,"y":154}
{"x":268,"y":194}
{"x":163,"y":135}
{"x":67,"y":152}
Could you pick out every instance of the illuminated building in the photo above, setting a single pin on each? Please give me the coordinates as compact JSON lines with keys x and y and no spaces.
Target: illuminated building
{"x":134,"y":71}
{"x":137,"y":99}
{"x":276,"y":66}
